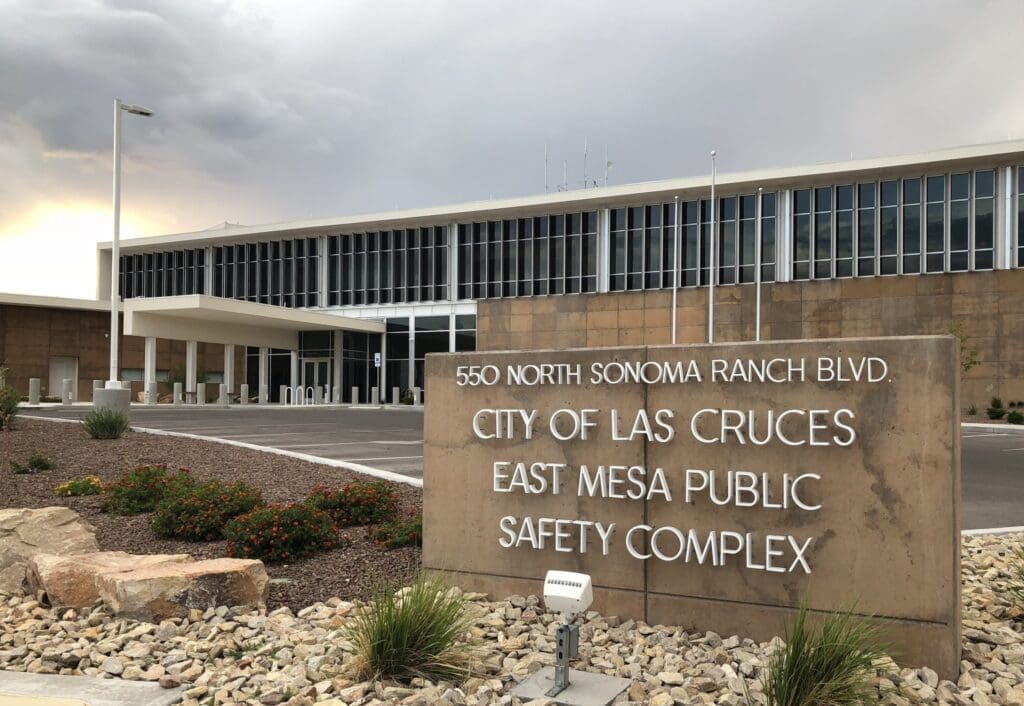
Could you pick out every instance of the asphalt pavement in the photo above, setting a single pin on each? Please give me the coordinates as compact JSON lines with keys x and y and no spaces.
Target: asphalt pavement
{"x":391,"y":439}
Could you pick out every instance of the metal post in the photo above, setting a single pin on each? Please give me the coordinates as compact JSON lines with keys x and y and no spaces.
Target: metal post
{"x":567,"y":647}
{"x":713,"y":259}
{"x":115,"y":249}
{"x":675,"y":270}
{"x":757,"y":267}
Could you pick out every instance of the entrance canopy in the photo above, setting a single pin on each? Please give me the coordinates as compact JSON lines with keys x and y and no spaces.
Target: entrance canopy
{"x":196,"y":317}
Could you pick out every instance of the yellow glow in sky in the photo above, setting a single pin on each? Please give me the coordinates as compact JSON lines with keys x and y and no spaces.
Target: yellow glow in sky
{"x":52,"y":250}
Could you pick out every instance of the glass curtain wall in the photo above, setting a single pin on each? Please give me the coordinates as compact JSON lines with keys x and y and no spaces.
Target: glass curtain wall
{"x":524,"y":257}
{"x":163,"y":274}
{"x":1020,"y":217}
{"x":934,"y":223}
{"x":643,"y":243}
{"x":431,"y":337}
{"x":358,"y":370}
{"x":392,"y":266}
{"x":280,"y":272}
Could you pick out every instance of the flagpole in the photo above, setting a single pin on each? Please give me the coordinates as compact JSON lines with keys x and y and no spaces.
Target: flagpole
{"x":675,"y":271}
{"x":713,"y":259}
{"x":757,"y":267}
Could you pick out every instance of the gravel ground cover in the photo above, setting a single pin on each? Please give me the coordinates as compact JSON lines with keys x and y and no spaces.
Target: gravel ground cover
{"x":301,"y":657}
{"x":347,"y":573}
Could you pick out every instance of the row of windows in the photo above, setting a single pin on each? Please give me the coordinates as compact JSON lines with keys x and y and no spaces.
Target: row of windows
{"x":163,"y":274}
{"x":409,"y":265}
{"x":524,"y":257}
{"x":909,"y":225}
{"x":643,"y":242}
{"x":283,"y":273}
{"x":941,"y":223}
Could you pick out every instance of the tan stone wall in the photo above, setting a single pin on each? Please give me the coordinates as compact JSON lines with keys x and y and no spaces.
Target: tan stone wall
{"x":886,"y":537}
{"x":988,"y":306}
{"x":30,"y":336}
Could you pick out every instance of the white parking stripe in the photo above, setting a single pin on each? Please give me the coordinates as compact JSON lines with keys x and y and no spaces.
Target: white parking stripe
{"x":382,"y":458}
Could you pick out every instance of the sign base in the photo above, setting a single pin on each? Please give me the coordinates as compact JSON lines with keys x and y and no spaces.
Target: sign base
{"x":585,"y":688}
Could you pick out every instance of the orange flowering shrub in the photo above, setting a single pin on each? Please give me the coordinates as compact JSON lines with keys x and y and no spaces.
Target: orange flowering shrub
{"x":282,"y":533}
{"x":407,"y":532}
{"x":199,"y":512}
{"x":357,"y":503}
{"x":143,"y":489}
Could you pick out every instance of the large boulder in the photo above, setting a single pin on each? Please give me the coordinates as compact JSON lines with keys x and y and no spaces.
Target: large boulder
{"x":70,"y":581}
{"x":25,"y":532}
{"x":170,"y":590}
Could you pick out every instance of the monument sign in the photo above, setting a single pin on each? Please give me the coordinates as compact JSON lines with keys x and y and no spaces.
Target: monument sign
{"x":713,"y":487}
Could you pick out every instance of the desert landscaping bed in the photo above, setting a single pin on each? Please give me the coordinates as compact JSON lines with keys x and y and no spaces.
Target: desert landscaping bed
{"x":346,"y":573}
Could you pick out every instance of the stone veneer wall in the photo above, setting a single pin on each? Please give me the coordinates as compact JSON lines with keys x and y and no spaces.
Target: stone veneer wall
{"x":30,"y":336}
{"x":988,"y":306}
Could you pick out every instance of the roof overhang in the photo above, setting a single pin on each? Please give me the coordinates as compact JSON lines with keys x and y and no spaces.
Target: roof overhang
{"x":53,"y":302}
{"x":228,"y":321}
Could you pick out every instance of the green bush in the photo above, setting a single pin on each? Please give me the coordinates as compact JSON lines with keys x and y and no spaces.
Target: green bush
{"x":996,"y":412}
{"x":357,"y":503}
{"x":417,"y":632}
{"x":142,"y":490}
{"x":77,"y":487}
{"x":105,"y":423}
{"x":996,"y":403}
{"x":406,"y":532}
{"x":36,"y":462}
{"x":281,"y":533}
{"x":972,"y":410}
{"x":9,"y":399}
{"x":1015,"y":417}
{"x":831,"y":664}
{"x":198,"y":512}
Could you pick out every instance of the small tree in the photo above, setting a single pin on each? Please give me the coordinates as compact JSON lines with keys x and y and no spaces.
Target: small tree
{"x":968,"y":356}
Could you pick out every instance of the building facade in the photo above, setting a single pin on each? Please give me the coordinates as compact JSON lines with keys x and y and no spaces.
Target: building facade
{"x":922,"y":243}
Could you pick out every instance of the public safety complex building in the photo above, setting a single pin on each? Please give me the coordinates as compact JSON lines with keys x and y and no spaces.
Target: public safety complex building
{"x":927,"y":243}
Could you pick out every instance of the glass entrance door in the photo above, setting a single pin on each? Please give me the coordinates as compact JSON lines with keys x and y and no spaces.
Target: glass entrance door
{"x":316,"y":373}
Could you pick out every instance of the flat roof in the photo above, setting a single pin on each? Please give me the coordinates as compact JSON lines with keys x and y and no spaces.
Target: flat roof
{"x":601,"y":197}
{"x":53,"y":302}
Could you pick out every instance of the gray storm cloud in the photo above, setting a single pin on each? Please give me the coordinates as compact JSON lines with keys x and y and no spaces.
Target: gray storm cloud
{"x":266,"y":113}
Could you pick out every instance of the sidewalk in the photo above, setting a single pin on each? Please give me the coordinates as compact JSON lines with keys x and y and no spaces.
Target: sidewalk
{"x":24,"y":689}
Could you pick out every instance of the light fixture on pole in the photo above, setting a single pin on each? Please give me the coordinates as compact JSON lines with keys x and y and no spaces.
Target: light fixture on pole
{"x":713,"y":255}
{"x":757,"y":267}
{"x":115,"y":250}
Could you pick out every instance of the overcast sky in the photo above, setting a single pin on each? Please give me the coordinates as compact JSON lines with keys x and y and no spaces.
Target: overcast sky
{"x":265,"y":113}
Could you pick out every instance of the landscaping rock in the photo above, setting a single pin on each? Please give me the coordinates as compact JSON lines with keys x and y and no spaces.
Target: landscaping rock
{"x":172,"y":590}
{"x":70,"y":581}
{"x":49,"y":530}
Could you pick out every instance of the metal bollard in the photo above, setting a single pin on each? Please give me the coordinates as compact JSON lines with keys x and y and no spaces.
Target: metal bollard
{"x":201,"y":393}
{"x":355,"y":395}
{"x":243,"y":394}
{"x":416,"y":399}
{"x":282,"y":394}
{"x":177,"y":393}
{"x":222,"y":394}
{"x":374,"y":395}
{"x":264,"y":394}
{"x":33,"y":391}
{"x":67,"y":395}
{"x":396,"y":396}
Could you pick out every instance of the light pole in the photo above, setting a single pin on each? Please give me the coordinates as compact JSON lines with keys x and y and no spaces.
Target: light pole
{"x":713,"y":264}
{"x":115,"y":251}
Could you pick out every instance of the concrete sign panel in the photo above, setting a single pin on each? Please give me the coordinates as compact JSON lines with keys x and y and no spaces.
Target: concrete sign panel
{"x":712,"y":487}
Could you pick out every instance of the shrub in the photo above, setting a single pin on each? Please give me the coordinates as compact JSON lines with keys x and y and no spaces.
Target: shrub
{"x":416,"y":632}
{"x":77,"y":487}
{"x":1015,"y":417}
{"x":105,"y":424}
{"x":281,"y":533}
{"x":972,"y":410}
{"x":1015,"y":568}
{"x":198,"y":512}
{"x":357,"y":503}
{"x":36,"y":462}
{"x":996,"y":412}
{"x":9,"y":399}
{"x":406,"y":532}
{"x":830,"y":664}
{"x":997,"y":403}
{"x":142,"y":490}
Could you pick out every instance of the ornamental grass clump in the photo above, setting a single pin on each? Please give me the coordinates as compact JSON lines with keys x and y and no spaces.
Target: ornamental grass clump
{"x":105,"y":423}
{"x":199,"y":512}
{"x":419,"y":631}
{"x":357,"y":503}
{"x":77,"y":487}
{"x":1015,"y":568}
{"x":282,"y":533}
{"x":9,"y":399}
{"x":142,"y":489}
{"x":832,"y":664}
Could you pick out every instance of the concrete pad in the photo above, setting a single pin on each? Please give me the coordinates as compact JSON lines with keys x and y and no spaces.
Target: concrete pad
{"x":585,"y":688}
{"x":55,"y":690}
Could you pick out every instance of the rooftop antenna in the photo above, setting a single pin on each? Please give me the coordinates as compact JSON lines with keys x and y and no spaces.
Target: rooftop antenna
{"x":607,"y":164}
{"x":585,"y":185}
{"x":565,"y":175}
{"x":545,"y":167}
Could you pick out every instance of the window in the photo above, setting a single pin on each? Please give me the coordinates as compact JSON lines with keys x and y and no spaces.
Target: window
{"x":381,"y":267}
{"x":823,"y":232}
{"x":801,"y":234}
{"x":959,"y":221}
{"x":844,"y":231}
{"x":935,"y":223}
{"x":984,"y":218}
{"x":768,"y":237}
{"x":1020,"y":216}
{"x":865,"y":230}
{"x":911,"y":226}
{"x":163,"y":274}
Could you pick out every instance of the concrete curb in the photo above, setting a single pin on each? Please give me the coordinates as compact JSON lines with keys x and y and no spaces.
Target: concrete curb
{"x":991,"y":531}
{"x":993,"y":428}
{"x":354,"y":467}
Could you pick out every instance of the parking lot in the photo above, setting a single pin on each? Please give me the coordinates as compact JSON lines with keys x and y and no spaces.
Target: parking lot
{"x":392,"y":440}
